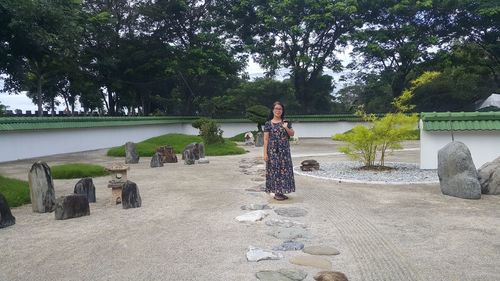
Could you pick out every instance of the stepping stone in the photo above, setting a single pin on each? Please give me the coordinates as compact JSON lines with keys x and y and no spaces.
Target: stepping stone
{"x":254,"y":207}
{"x":252,"y":216}
{"x":281,"y":275}
{"x":330,"y":275}
{"x":258,"y":179}
{"x":289,"y":233}
{"x":321,"y":250}
{"x":284,"y":223}
{"x":312,"y":261}
{"x":257,"y":254}
{"x":289,"y":246}
{"x":290,"y":212}
{"x":244,"y":166}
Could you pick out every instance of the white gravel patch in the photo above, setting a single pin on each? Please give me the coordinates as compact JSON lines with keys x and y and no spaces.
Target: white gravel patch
{"x":347,"y":171}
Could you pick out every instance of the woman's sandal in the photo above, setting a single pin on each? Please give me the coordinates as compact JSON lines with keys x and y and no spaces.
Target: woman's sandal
{"x":279,"y":197}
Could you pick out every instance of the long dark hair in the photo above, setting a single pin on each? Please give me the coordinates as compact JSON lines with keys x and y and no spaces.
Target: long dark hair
{"x":271,"y":114}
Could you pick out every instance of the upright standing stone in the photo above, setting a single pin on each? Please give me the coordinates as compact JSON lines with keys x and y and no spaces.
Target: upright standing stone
{"x":131,"y":156}
{"x":86,"y":187}
{"x":202,"y":159}
{"x":43,"y":196}
{"x":130,"y":196}
{"x":195,"y":150}
{"x":457,"y":173}
{"x":249,"y":138}
{"x":168,"y":154}
{"x":188,"y":157}
{"x":72,"y":206}
{"x":259,"y":140}
{"x":156,"y":161}
{"x":489,"y":177}
{"x":6,"y":217}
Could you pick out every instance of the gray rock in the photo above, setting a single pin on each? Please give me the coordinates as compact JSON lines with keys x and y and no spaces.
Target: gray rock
{"x":167,"y":153}
{"x":6,"y":217}
{"x":309,"y":165}
{"x":131,"y":156}
{"x":253,"y":207}
{"x":290,"y":212}
{"x":314,"y":261}
{"x":289,"y":233}
{"x":259,"y":139}
{"x":156,"y":160}
{"x":330,"y":276}
{"x":289,"y":246}
{"x":284,"y":223}
{"x":188,"y":157}
{"x":131,"y":197}
{"x":72,"y":206}
{"x":252,"y":216}
{"x":257,"y":254}
{"x":489,"y":177}
{"x":195,"y":150}
{"x":203,"y":161}
{"x":86,"y":187}
{"x":201,"y":148}
{"x":457,"y":173}
{"x":43,"y":196}
{"x":281,"y":275}
{"x":321,"y":250}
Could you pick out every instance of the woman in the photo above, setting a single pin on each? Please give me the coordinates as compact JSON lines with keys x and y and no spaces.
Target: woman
{"x":279,"y":169}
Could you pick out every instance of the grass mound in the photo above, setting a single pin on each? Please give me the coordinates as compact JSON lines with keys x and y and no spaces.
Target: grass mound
{"x":148,"y":147}
{"x":17,"y":192}
{"x":77,"y":170}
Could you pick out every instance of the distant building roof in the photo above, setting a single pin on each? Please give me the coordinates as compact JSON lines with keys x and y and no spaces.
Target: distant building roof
{"x":460,"y":121}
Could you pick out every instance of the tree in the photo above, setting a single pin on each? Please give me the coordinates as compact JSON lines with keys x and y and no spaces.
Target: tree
{"x":299,"y":35}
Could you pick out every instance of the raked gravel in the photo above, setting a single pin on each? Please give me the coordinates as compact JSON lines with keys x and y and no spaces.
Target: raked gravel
{"x":349,"y":171}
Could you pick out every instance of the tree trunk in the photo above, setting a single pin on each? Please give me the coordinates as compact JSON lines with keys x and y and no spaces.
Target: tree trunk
{"x":39,"y":95}
{"x":111,"y":101}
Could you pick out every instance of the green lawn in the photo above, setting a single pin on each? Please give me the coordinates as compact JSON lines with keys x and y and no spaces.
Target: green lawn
{"x":17,"y":192}
{"x":77,"y":170}
{"x":178,"y":142}
{"x":241,"y":137}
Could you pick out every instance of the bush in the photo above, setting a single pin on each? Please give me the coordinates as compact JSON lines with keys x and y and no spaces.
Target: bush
{"x":16,"y":192}
{"x":210,"y":132}
{"x":258,"y":114}
{"x":77,"y":170}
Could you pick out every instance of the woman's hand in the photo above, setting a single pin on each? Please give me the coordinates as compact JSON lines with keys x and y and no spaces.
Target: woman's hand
{"x":284,"y":124}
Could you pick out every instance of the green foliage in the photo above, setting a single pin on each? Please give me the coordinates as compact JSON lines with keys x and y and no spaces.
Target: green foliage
{"x":210,"y":132}
{"x":383,"y":135}
{"x":258,"y":114}
{"x":148,"y":147}
{"x":17,"y":192}
{"x":77,"y":170}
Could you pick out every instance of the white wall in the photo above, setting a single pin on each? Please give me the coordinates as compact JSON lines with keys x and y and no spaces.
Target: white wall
{"x":34,"y":143}
{"x":484,"y":146}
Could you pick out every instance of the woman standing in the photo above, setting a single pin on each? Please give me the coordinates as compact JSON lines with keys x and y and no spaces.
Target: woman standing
{"x":279,"y":168}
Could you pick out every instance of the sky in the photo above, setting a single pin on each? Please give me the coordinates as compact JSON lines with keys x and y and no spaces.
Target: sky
{"x":21,"y":101}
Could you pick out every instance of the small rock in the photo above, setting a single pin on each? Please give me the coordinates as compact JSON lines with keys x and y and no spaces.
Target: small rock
{"x":203,"y":161}
{"x":289,"y":246}
{"x":281,"y":275}
{"x":313,"y":261}
{"x":253,"y":207}
{"x":72,"y":206}
{"x":6,"y":217}
{"x":289,"y":233}
{"x":259,"y":179}
{"x":156,"y":160}
{"x":252,"y":216}
{"x":293,"y":274}
{"x":290,"y":212}
{"x":330,"y":276}
{"x":284,"y":223}
{"x":321,"y":250}
{"x":257,"y":254}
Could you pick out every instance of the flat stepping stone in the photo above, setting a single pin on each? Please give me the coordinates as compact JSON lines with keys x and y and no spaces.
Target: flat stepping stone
{"x":321,"y":250}
{"x":312,"y":261}
{"x":290,"y":212}
{"x":330,"y":275}
{"x":284,"y":223}
{"x":253,"y":207}
{"x":289,"y":246}
{"x":244,"y":166}
{"x":289,"y":233}
{"x":259,"y":179}
{"x":252,"y":216}
{"x":281,"y":275}
{"x":256,"y":254}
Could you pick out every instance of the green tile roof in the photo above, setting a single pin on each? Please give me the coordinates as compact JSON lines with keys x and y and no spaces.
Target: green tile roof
{"x":460,"y":121}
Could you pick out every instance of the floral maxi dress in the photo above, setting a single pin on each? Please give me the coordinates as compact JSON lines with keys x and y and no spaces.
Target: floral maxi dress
{"x":279,"y":168}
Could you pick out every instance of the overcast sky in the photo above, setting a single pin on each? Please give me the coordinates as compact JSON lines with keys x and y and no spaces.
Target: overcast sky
{"x":24,"y":103}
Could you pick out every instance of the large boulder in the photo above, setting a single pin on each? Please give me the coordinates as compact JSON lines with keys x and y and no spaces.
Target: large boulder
{"x":43,"y":196}
{"x":188,"y":157}
{"x":168,"y":154}
{"x":130,"y":195}
{"x":72,"y":206}
{"x":131,"y":156}
{"x":457,"y":173}
{"x":156,"y":161}
{"x":195,"y":150}
{"x":86,"y":187}
{"x":6,"y":217}
{"x":489,"y":177}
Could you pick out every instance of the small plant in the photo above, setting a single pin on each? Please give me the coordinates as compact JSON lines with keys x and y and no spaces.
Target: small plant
{"x":210,"y":132}
{"x":258,"y":114}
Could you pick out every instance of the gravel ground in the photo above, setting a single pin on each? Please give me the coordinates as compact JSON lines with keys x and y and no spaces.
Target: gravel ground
{"x":349,"y":171}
